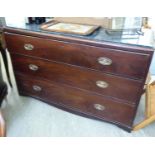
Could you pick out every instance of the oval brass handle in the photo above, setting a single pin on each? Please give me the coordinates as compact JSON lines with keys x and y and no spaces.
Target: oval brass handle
{"x":37,"y":88}
{"x":99,"y":107}
{"x":102,"y":84}
{"x":33,"y":67}
{"x":28,"y":47}
{"x":104,"y":61}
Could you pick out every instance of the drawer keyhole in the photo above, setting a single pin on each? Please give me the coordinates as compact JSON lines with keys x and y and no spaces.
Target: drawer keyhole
{"x":61,"y":46}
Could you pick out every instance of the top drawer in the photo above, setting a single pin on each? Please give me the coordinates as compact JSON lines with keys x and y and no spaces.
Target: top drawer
{"x":124,"y":63}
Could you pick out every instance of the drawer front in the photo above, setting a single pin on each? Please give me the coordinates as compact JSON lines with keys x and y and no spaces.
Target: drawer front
{"x":133,"y":65}
{"x":96,"y":82}
{"x":77,"y":100}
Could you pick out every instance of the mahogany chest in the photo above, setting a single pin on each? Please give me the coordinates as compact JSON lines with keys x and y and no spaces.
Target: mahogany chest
{"x":98,"y":80}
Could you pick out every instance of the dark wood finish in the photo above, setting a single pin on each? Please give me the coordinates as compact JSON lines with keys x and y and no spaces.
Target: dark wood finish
{"x":68,"y":70}
{"x":79,"y":77}
{"x":71,"y":39}
{"x":124,"y":63}
{"x":77,"y":100}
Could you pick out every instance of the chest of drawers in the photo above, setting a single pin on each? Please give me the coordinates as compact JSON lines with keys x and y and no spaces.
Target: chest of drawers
{"x":98,"y":80}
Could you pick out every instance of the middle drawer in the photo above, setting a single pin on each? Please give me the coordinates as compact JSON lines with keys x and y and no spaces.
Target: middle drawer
{"x":89,"y":80}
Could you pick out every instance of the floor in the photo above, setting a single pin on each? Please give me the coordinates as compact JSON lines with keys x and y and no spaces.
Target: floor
{"x":27,"y":117}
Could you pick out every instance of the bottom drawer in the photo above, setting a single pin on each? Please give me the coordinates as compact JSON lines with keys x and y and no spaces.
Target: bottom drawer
{"x":79,"y":101}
